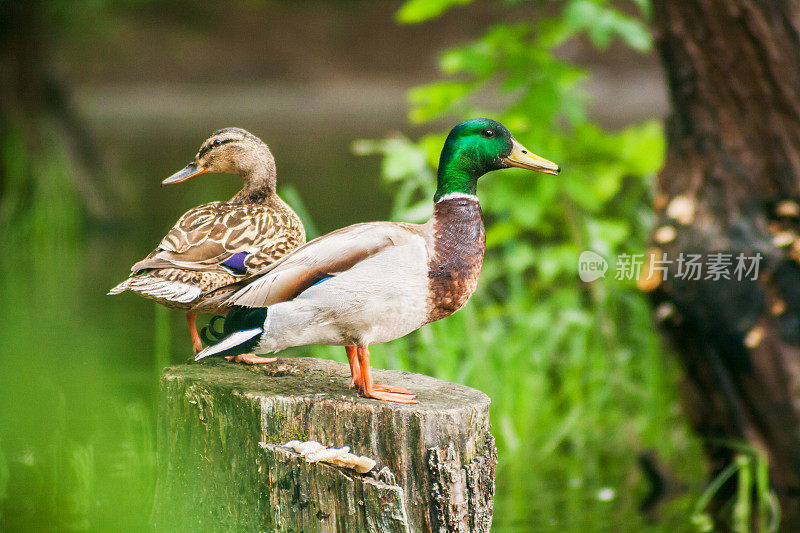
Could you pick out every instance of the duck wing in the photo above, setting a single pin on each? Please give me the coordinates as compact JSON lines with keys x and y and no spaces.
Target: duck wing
{"x":325,"y":256}
{"x":213,"y":234}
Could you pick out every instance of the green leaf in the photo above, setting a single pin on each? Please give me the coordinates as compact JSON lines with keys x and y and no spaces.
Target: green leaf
{"x":602,"y":23}
{"x":643,"y":147}
{"x":478,"y":59}
{"x":431,"y":101}
{"x":416,"y":11}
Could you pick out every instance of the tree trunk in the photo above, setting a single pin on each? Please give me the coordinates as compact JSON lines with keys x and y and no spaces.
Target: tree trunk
{"x":223,"y":465}
{"x":731,"y":185}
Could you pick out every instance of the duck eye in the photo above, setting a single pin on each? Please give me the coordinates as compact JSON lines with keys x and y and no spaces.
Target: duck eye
{"x":216,"y":142}
{"x":488,"y":134}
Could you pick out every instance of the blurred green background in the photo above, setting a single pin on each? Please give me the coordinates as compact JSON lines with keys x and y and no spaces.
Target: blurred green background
{"x":103,"y":100}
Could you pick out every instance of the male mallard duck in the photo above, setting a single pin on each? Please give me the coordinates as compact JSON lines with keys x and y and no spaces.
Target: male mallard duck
{"x":375,"y":282}
{"x":218,"y":244}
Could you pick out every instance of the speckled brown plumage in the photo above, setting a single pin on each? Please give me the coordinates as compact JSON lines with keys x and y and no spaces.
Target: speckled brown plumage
{"x":210,"y":233}
{"x":217,"y":245}
{"x":459,"y":243}
{"x":193,"y":251}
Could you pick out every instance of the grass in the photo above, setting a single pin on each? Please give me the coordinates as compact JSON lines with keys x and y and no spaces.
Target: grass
{"x":754,"y":501}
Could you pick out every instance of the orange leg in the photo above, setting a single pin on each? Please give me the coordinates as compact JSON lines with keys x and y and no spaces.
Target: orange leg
{"x":379,"y":392}
{"x":354,"y":370}
{"x":250,"y":359}
{"x":355,"y":374}
{"x":191,"y":319}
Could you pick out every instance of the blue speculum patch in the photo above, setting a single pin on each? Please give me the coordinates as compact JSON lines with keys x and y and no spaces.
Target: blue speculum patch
{"x":236,"y":261}
{"x":320,"y":281}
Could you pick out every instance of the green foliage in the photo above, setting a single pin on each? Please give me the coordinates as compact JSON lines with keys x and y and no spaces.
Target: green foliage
{"x":751,"y":472}
{"x":574,"y":370}
{"x":78,"y":446}
{"x":292,"y":196}
{"x":39,"y":199}
{"x":162,"y":339}
{"x":3,"y":477}
{"x":601,"y":23}
{"x":419,"y":10}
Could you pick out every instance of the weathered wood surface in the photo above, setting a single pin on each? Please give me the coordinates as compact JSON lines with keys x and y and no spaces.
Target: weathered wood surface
{"x":222,"y":465}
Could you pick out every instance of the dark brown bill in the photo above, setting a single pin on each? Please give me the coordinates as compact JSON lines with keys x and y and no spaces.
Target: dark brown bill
{"x":189,"y":171}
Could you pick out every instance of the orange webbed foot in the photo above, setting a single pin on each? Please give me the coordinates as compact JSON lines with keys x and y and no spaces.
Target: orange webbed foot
{"x":362,"y":378}
{"x":393,"y":388}
{"x":355,"y":382}
{"x":396,"y":397}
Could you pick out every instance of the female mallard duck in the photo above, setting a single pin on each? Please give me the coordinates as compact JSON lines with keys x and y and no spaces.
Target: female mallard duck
{"x":220,"y":243}
{"x":372,"y":283}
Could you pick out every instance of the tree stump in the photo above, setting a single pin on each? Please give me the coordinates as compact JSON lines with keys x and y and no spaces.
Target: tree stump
{"x":223,"y":466}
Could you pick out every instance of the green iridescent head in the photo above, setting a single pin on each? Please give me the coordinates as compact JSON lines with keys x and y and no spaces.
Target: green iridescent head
{"x":478,"y":146}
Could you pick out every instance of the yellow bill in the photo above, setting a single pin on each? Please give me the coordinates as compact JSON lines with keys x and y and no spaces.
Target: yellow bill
{"x":522,"y":158}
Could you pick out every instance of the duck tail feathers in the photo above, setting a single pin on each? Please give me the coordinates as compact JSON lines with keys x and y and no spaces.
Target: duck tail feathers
{"x":122,"y":287}
{"x":241,"y":332}
{"x":210,"y":334}
{"x":234,"y":344}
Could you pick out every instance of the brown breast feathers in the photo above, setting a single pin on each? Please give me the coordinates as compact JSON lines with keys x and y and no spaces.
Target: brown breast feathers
{"x":458,"y":255}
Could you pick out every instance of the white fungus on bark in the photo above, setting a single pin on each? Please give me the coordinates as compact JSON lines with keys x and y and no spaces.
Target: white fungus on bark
{"x":315,"y":452}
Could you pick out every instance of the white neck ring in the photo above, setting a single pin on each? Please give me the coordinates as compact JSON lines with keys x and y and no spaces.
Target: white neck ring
{"x":454,"y":195}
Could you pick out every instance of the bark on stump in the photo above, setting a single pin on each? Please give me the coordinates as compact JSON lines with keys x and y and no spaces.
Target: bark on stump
{"x":222,"y":465}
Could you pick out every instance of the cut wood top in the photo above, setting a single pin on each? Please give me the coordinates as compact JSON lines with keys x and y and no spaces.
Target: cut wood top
{"x":321,"y":378}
